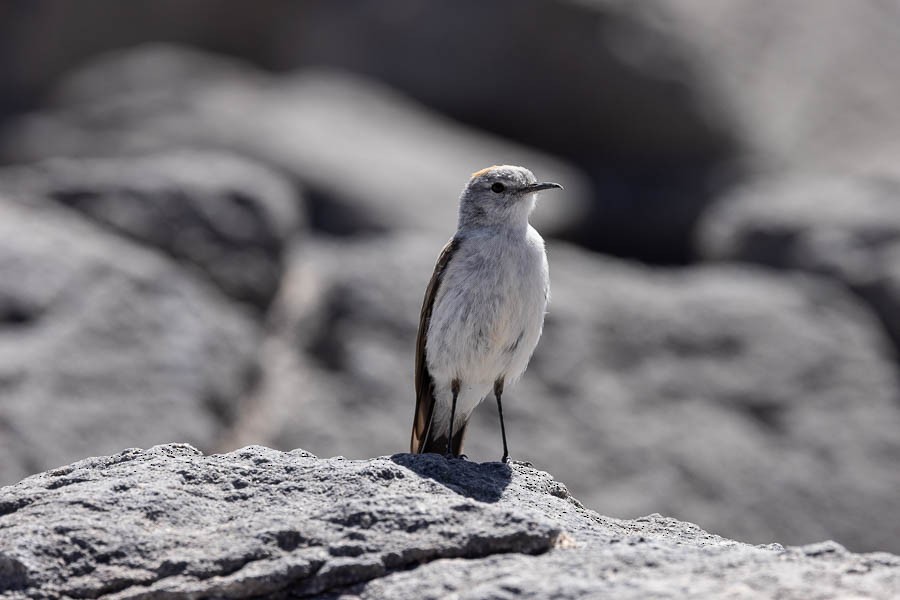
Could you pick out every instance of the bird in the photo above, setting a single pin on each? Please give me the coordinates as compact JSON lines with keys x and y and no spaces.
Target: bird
{"x":483,"y":310}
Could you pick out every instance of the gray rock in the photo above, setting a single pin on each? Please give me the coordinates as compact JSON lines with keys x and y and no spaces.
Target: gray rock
{"x":372,"y":159}
{"x":170,"y":522}
{"x":609,"y":86}
{"x":845,"y":227}
{"x":29,"y":67}
{"x":105,"y":344}
{"x":585,"y":79}
{"x":599,"y":83}
{"x":808,"y":82}
{"x":164,"y":71}
{"x":762,"y":406}
{"x":227,"y":216}
{"x":759,"y":405}
{"x":650,"y":98}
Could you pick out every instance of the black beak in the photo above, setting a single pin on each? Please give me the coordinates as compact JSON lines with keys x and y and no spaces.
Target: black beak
{"x":536,"y":187}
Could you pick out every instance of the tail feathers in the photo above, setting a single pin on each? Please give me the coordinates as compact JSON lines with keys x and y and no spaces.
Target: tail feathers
{"x":438,"y":445}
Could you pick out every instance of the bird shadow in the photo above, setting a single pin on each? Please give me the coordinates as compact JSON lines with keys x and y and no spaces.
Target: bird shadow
{"x":484,"y":482}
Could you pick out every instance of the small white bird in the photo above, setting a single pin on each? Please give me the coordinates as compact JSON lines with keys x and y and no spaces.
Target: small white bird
{"x":484,"y":308}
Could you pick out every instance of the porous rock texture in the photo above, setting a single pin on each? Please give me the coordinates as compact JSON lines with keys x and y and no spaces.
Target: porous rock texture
{"x":169,"y":522}
{"x":761,"y":405}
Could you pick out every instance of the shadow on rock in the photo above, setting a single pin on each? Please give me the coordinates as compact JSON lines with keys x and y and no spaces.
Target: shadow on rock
{"x":484,"y":482}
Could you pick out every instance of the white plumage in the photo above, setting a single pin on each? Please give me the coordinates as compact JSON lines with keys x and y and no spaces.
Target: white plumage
{"x":484,"y":307}
{"x":487,"y":317}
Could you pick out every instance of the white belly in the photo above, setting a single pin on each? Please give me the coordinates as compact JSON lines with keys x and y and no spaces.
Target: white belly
{"x":487,"y":318}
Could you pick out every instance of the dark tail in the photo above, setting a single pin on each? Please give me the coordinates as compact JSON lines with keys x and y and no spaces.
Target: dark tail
{"x":438,"y":445}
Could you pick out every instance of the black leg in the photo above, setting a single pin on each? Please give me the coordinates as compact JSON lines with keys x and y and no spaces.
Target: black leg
{"x":454,"y":388}
{"x":498,"y":392}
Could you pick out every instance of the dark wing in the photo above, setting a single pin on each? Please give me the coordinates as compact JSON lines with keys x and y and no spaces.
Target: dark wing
{"x":424,"y":383}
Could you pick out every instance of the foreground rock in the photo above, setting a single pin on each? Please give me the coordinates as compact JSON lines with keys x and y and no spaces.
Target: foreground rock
{"x":847,"y":228}
{"x":227,"y":216}
{"x":762,"y":405}
{"x":104,"y":343}
{"x":170,"y":521}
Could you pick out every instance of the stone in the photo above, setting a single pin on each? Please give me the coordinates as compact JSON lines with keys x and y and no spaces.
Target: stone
{"x":756,"y":403}
{"x":169,"y":521}
{"x":844,"y":227}
{"x":599,"y":80}
{"x":761,"y":405}
{"x":226,"y":216}
{"x":156,"y":68}
{"x":609,"y":86}
{"x":809,"y":85}
{"x":104,"y":344}
{"x":602,"y":86}
{"x":659,"y":102}
{"x":371,"y":159}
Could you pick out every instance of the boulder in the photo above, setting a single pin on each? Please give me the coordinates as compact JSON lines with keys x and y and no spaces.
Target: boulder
{"x":104,"y":344}
{"x":609,"y":86}
{"x":371,"y":159}
{"x":761,"y":405}
{"x":171,"y":522}
{"x":155,"y":69}
{"x":594,"y":81}
{"x":746,"y":400}
{"x":598,"y":83}
{"x":810,"y":83}
{"x":845,"y":227}
{"x":654,"y":100}
{"x":228,"y":217}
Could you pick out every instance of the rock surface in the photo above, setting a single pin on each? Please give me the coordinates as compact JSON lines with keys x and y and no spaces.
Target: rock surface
{"x":170,"y":521}
{"x":847,"y":228}
{"x":649,"y":98}
{"x":761,"y":406}
{"x":599,"y":85}
{"x":371,"y":159}
{"x":609,"y":86}
{"x":810,"y":84}
{"x":104,"y":344}
{"x":229,"y":217}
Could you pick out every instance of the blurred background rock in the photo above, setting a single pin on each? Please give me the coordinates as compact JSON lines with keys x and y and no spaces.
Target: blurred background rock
{"x":217,"y":219}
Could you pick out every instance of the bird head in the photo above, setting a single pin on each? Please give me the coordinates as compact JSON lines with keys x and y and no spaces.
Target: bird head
{"x":499,"y":196}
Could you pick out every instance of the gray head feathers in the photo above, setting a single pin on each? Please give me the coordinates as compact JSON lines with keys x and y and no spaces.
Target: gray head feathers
{"x":499,"y":196}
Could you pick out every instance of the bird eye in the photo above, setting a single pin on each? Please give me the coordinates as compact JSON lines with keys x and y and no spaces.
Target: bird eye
{"x":498,"y":188}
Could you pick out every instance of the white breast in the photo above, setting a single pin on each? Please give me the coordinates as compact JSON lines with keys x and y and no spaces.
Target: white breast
{"x":489,"y":310}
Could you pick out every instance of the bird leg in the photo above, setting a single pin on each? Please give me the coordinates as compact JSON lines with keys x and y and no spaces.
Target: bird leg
{"x":454,"y":389}
{"x":498,"y":391}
